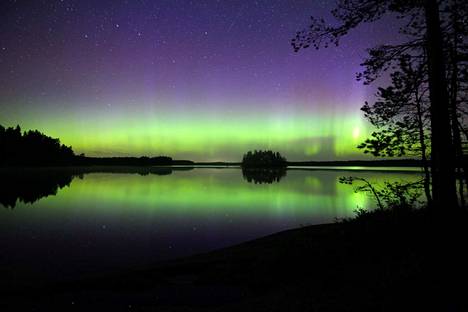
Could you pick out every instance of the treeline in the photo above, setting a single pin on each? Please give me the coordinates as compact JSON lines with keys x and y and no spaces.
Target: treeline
{"x":361,"y":163}
{"x":124,"y":161}
{"x":31,"y":148}
{"x":258,"y":159}
{"x":142,"y":161}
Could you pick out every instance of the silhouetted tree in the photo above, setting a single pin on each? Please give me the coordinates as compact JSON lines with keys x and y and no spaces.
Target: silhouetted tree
{"x":393,"y":195}
{"x":401,"y":117}
{"x":31,"y":148}
{"x":455,"y":41}
{"x":429,"y":25}
{"x":259,"y":159}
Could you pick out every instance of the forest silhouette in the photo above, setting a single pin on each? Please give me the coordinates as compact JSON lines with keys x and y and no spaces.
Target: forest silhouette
{"x":31,"y":148}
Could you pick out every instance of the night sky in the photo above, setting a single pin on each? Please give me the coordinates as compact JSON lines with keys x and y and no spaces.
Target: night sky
{"x":201,"y":80}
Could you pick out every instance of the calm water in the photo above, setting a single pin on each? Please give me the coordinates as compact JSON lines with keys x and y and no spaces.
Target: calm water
{"x":68,"y":223}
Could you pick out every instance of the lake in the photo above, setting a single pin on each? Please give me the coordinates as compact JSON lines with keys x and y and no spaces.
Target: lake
{"x":67,"y":223}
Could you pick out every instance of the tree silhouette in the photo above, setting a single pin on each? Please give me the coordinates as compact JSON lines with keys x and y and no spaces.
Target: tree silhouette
{"x":258,"y":159}
{"x":31,"y":148}
{"x":401,"y":117}
{"x":430,"y":26}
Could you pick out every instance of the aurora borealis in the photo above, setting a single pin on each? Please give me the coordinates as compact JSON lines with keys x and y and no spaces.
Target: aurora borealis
{"x":200,"y":80}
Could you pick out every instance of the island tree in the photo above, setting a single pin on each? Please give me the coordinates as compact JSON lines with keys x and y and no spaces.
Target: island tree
{"x":258,"y":159}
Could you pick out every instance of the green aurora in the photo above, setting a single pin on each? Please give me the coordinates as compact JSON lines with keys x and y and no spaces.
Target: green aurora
{"x":206,"y":137}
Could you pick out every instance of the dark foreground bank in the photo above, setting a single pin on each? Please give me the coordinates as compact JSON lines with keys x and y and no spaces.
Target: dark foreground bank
{"x":389,"y":261}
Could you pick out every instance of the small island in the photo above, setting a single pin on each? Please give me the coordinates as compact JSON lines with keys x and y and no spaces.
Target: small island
{"x":263,"y":159}
{"x":263,"y":167}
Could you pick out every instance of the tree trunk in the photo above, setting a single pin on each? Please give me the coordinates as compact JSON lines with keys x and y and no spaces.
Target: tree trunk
{"x":422,"y":138}
{"x":444,"y":193}
{"x":422,"y":142}
{"x":455,"y":130}
{"x":454,"y":93}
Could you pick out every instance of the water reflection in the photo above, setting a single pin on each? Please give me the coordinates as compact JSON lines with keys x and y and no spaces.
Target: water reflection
{"x":305,"y":188}
{"x":28,"y":185}
{"x":263,"y":175}
{"x":97,"y":219}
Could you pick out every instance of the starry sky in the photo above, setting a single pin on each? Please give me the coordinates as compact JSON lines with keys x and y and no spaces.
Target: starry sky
{"x":201,"y":80}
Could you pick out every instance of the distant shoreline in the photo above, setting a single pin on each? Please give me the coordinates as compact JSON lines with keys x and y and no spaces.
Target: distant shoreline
{"x":332,"y":163}
{"x":77,"y":170}
{"x":116,"y":162}
{"x":150,"y":162}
